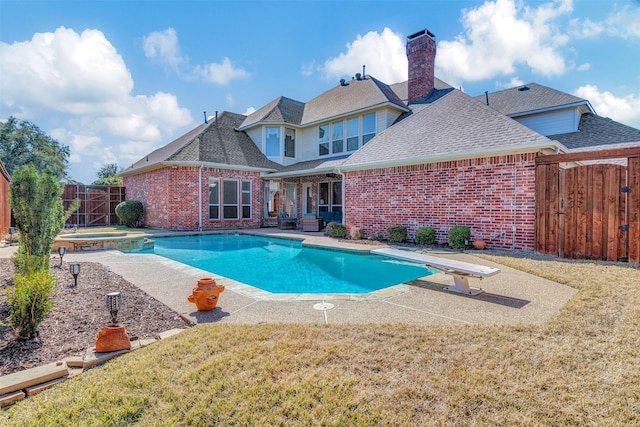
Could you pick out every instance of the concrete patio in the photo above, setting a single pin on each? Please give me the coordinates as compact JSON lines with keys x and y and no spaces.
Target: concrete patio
{"x":510,"y":296}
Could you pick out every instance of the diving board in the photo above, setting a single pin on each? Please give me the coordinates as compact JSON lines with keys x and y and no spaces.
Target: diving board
{"x":461,"y":271}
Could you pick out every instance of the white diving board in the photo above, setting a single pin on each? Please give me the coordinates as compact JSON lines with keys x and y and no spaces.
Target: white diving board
{"x":461,"y":271}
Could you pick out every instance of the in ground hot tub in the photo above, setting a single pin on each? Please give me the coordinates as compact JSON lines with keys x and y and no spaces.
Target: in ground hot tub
{"x":94,"y":241}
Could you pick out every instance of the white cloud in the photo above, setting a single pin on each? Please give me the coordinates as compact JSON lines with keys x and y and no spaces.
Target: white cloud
{"x":221,"y":73}
{"x":81,"y":83}
{"x":163,"y":47}
{"x":622,"y":23}
{"x":383,"y":54}
{"x":501,"y":34}
{"x":583,"y":67}
{"x":624,"y":110}
{"x":230,"y":99}
{"x":514,"y":82}
{"x":249,"y":111}
{"x":307,"y":68}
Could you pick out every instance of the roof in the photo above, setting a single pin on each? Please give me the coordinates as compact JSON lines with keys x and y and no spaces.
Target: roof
{"x":402,"y":89}
{"x":530,"y":98}
{"x":280,"y":110}
{"x":310,"y":167}
{"x":594,"y":130}
{"x":454,"y":124}
{"x":4,"y":173}
{"x":355,"y":95}
{"x":215,"y":142}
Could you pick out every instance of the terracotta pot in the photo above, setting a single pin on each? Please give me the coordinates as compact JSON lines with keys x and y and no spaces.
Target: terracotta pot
{"x":479,"y":244}
{"x":112,"y":338}
{"x":205,"y":294}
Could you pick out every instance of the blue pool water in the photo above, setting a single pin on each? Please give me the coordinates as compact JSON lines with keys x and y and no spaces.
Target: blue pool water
{"x":284,"y":266}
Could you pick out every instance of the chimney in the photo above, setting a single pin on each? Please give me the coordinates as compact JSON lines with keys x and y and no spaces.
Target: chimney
{"x":421,"y":53}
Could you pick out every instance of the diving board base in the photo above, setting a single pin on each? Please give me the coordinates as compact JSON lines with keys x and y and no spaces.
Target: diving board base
{"x":461,"y":286}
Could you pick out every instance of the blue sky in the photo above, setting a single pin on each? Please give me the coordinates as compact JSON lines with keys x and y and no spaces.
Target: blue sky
{"x":114,"y":80}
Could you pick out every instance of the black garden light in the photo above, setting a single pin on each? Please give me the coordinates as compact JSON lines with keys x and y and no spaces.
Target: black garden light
{"x":74,"y":269}
{"x":113,"y":302}
{"x":61,"y":251}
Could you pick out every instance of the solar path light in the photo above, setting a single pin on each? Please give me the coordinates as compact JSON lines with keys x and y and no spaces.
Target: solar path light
{"x":74,"y":269}
{"x":61,"y":251}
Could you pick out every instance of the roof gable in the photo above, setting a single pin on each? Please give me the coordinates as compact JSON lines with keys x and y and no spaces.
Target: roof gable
{"x":529,"y":98}
{"x":280,"y":110}
{"x":454,"y":123}
{"x":215,"y":142}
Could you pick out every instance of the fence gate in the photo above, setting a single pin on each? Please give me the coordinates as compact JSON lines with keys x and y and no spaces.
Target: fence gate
{"x":589,"y":212}
{"x":97,"y":204}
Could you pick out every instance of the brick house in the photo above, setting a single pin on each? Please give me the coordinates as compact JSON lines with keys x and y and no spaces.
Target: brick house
{"x":372,"y":155}
{"x":5,"y":209}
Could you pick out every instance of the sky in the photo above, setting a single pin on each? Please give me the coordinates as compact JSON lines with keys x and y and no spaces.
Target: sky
{"x":114,"y":80}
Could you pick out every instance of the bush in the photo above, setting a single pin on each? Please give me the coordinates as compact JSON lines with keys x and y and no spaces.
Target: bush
{"x":397,"y":233}
{"x":337,"y":231}
{"x":457,"y":235}
{"x":356,"y":233}
{"x":29,"y":302}
{"x":426,"y":236}
{"x":39,"y":215}
{"x":130,"y":213}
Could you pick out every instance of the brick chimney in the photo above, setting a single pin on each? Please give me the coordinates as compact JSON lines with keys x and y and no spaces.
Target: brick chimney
{"x":421,"y":53}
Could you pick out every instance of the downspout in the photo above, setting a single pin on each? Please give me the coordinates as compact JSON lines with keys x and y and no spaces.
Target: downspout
{"x":200,"y":198}
{"x":515,"y":201}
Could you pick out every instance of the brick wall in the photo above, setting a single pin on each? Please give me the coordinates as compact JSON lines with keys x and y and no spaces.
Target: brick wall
{"x":170,"y":197}
{"x":490,"y":195}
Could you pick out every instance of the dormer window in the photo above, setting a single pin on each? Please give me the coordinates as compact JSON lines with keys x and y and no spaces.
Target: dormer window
{"x":272,"y":141}
{"x":275,"y":146}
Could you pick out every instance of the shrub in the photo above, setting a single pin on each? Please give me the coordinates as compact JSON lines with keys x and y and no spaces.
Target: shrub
{"x":457,"y":235}
{"x":376,"y":236}
{"x":426,"y":236}
{"x":356,"y":233}
{"x":39,"y":215}
{"x":29,"y":302}
{"x":337,"y":231}
{"x":397,"y":233}
{"x":130,"y":213}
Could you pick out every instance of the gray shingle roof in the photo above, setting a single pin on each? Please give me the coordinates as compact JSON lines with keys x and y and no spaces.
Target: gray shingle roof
{"x":356,"y":95}
{"x":280,"y":110}
{"x":310,"y":167}
{"x":455,"y":123}
{"x":402,"y":89}
{"x":594,"y":130}
{"x":515,"y":101}
{"x":215,"y":142}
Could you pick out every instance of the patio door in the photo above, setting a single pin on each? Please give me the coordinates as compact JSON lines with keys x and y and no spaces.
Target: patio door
{"x":290,"y":199}
{"x":307,"y":201}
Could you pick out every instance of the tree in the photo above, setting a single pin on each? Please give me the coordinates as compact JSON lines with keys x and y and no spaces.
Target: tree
{"x":107,"y":175}
{"x":23,"y":143}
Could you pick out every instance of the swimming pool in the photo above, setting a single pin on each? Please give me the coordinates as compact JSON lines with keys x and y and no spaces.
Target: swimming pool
{"x":285,"y":266}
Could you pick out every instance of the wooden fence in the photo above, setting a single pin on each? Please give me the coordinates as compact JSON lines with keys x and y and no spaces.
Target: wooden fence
{"x":97,"y":204}
{"x":5,"y":209}
{"x":592,"y":211}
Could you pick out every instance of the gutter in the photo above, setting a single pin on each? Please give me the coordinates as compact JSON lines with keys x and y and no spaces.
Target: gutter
{"x":164,"y":164}
{"x":554,"y":108}
{"x":547,"y":144}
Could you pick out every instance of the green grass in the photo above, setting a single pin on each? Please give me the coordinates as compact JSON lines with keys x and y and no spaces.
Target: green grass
{"x":580,"y":368}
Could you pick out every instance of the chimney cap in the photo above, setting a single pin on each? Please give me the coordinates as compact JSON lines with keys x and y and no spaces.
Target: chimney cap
{"x":421,"y":33}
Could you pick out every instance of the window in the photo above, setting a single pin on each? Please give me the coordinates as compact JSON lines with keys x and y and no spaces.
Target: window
{"x":230,"y":199}
{"x":272,"y":139}
{"x":368,"y":127}
{"x":214,"y":198}
{"x":246,"y":199}
{"x":337,"y":137}
{"x":323,"y":197}
{"x":352,"y":134}
{"x":272,"y":197}
{"x":323,"y":140}
{"x":289,"y":142}
{"x":336,"y":196}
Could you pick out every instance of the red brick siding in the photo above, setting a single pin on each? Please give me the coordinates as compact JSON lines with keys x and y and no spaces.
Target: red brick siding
{"x":170,"y":197}
{"x":489,"y":195}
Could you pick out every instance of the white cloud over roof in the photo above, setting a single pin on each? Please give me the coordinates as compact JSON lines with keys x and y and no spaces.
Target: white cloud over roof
{"x":624,"y":109}
{"x":383,"y":54}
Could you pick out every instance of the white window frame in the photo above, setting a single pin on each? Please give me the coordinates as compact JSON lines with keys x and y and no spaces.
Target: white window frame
{"x":216,"y":182}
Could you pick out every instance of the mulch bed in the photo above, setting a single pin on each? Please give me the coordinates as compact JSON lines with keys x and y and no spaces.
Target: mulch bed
{"x":78,"y":314}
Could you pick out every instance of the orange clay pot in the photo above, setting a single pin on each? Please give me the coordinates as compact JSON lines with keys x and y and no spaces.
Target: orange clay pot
{"x":205,"y":294}
{"x":479,"y":244}
{"x":112,"y":338}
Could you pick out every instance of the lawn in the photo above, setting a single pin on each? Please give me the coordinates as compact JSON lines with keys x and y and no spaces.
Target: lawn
{"x":580,"y":368}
